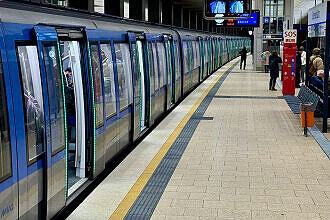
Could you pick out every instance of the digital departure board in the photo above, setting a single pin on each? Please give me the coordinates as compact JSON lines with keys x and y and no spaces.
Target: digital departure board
{"x":226,"y":8}
{"x":252,"y":21}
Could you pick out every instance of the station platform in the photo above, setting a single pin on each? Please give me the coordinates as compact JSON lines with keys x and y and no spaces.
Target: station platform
{"x":231,"y":150}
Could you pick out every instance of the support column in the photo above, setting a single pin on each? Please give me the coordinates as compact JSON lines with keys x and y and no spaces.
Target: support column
{"x":137,"y":9}
{"x":177,"y":15}
{"x":154,"y":11}
{"x":114,"y":7}
{"x":257,"y":49}
{"x":199,"y":21}
{"x":167,"y":11}
{"x":192,"y":20}
{"x":82,"y":4}
{"x":288,"y":14}
{"x":185,"y":18}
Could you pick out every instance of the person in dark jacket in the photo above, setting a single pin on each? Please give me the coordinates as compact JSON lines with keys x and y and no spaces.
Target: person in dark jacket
{"x":243,"y":54}
{"x":317,"y":81}
{"x":274,"y":60}
{"x":298,"y":67}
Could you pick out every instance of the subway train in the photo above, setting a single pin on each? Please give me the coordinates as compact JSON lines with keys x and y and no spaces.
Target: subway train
{"x":77,"y":88}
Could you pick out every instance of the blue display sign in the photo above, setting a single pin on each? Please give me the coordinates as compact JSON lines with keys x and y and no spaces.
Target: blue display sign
{"x":252,"y":21}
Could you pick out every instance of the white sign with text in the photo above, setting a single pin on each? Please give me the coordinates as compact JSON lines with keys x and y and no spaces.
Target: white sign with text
{"x":290,"y":36}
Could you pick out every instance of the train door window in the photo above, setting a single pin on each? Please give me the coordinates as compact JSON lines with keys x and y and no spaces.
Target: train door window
{"x":156,"y":71}
{"x":151,"y":68}
{"x":33,"y":101}
{"x":198,"y":61}
{"x":139,"y":53}
{"x":97,"y":79}
{"x":55,"y":96}
{"x":123,"y":62}
{"x":162,"y":63}
{"x":177,"y":61}
{"x":109,"y":80}
{"x":185,"y":57}
{"x":5,"y":152}
{"x":137,"y":74}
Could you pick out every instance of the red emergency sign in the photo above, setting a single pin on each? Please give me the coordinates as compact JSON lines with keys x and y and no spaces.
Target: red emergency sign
{"x":289,"y":68}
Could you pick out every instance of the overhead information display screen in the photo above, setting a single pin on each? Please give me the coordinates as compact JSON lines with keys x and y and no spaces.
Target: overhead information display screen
{"x":252,"y":21}
{"x":226,"y":8}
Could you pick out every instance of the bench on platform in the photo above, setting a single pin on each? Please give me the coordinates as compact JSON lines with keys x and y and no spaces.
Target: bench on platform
{"x":306,"y":95}
{"x":319,"y":92}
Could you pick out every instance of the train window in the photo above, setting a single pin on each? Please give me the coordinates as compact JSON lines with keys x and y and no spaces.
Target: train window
{"x":162,"y":63}
{"x":191,"y":55}
{"x":151,"y":69}
{"x":156,"y":71}
{"x":33,"y":100}
{"x":185,"y":57}
{"x":197,"y":57}
{"x":177,"y":61}
{"x":5,"y":153}
{"x":55,"y":96}
{"x":97,"y":79}
{"x":109,"y":80}
{"x":137,"y":75}
{"x":123,"y":61}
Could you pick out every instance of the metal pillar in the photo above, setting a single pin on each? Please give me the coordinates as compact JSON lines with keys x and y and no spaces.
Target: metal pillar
{"x":258,"y":66}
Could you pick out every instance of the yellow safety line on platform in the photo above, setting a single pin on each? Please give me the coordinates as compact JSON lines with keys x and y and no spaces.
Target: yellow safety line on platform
{"x":137,"y":188}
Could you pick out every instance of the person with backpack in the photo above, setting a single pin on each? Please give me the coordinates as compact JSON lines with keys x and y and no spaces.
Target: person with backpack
{"x":243,"y":54}
{"x":274,"y":61}
{"x":315,"y":63}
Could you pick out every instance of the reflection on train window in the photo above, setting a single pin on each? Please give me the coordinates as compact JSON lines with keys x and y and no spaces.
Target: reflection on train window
{"x":33,"y":100}
{"x":137,"y":74}
{"x":156,"y":71}
{"x":5,"y":154}
{"x":191,"y":56}
{"x":123,"y":61}
{"x":168,"y":62}
{"x":162,"y":63}
{"x":55,"y":96}
{"x":109,"y":80}
{"x":97,"y":79}
{"x":197,"y":57}
{"x":151,"y":69}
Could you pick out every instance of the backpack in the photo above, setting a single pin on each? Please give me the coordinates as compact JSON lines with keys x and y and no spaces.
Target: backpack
{"x":312,"y":68}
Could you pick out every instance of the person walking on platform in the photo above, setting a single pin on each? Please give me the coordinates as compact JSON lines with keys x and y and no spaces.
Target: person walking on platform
{"x":315,"y":63}
{"x":298,"y":67}
{"x":265,"y":57}
{"x":303,"y":64}
{"x":243,"y":54}
{"x":274,"y":60}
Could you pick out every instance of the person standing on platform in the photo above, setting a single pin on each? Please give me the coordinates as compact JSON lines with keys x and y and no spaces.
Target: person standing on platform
{"x":303,"y":64}
{"x":265,"y":57}
{"x":243,"y":54}
{"x":274,"y":60}
{"x":298,"y":67}
{"x":315,"y":63}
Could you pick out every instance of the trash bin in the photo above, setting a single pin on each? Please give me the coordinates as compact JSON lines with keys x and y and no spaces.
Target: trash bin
{"x":307,"y":116}
{"x":307,"y":111}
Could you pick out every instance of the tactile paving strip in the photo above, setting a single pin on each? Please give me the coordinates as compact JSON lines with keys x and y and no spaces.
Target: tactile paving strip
{"x":148,"y":199}
{"x":247,"y":97}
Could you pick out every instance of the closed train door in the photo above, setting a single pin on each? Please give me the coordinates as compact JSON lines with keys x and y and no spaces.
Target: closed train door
{"x":31,"y":119}
{"x":8,"y":153}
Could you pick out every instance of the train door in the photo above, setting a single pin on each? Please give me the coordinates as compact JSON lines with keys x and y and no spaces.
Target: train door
{"x":8,"y":151}
{"x":31,"y":119}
